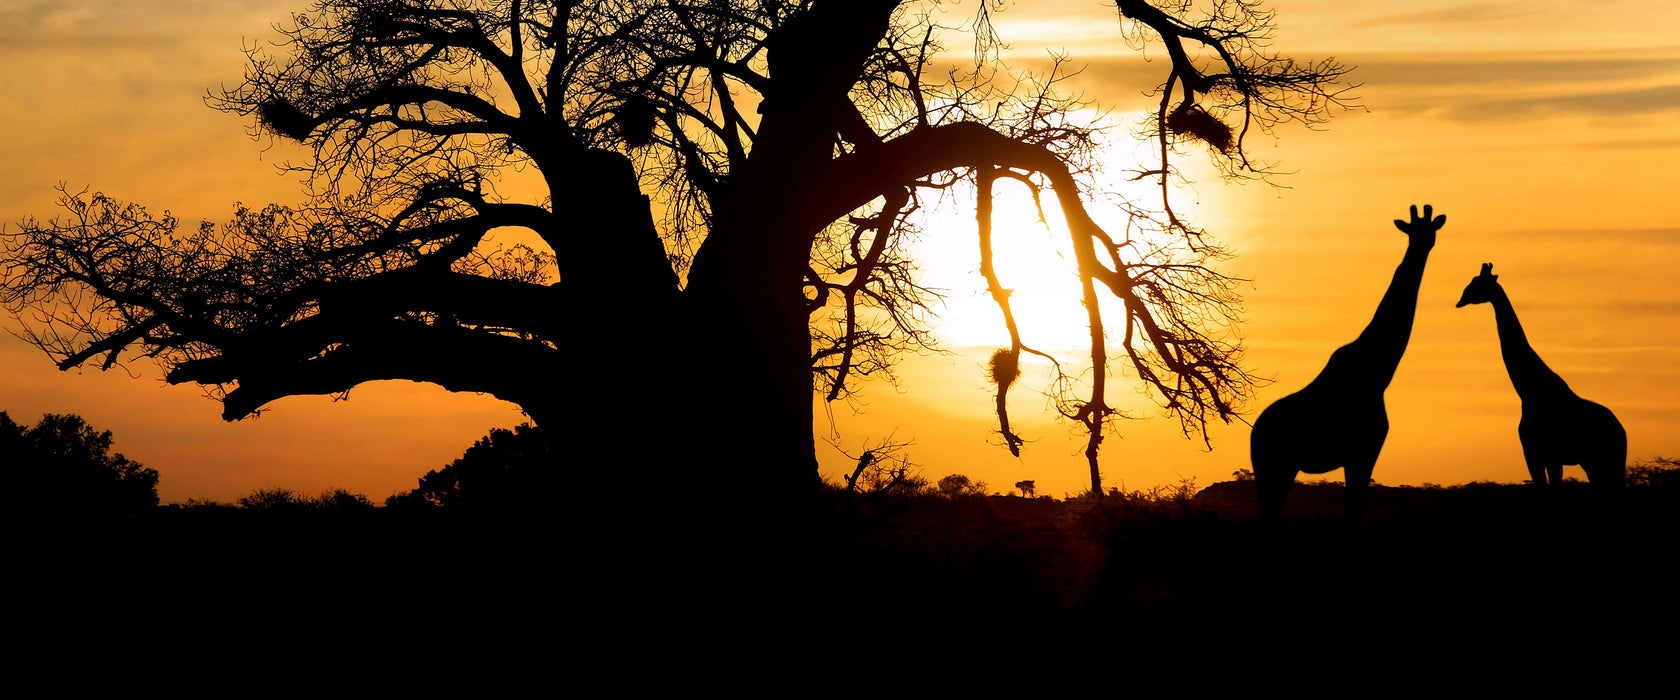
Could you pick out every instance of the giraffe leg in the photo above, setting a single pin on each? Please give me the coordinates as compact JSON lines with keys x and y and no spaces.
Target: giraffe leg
{"x":1270,"y":455}
{"x":1537,"y":467}
{"x":1554,"y":473}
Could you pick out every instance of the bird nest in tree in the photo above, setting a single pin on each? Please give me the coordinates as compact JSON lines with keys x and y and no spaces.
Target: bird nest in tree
{"x":1006,"y":367}
{"x":1191,"y":120}
{"x":286,"y":119}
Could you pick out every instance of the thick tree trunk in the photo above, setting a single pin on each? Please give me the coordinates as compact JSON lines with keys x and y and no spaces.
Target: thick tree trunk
{"x":754,"y":368}
{"x":733,"y":347}
{"x":623,"y":333}
{"x":746,"y":288}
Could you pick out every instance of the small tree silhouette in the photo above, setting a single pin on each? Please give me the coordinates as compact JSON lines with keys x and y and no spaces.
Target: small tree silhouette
{"x":884,"y":467}
{"x":342,"y":501}
{"x":507,"y":469}
{"x":959,"y":485}
{"x":1028,"y":488}
{"x":274,"y":500}
{"x":64,"y":465}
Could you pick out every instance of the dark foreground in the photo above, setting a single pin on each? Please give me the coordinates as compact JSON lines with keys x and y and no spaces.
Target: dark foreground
{"x":1474,"y":568}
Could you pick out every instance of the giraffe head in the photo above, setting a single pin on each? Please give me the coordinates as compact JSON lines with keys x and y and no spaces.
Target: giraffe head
{"x":1481,"y":288}
{"x":1421,"y":229}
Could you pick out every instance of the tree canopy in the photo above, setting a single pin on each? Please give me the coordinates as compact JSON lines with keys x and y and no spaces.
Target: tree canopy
{"x":729,"y":190}
{"x":65,"y":467}
{"x":507,"y":470}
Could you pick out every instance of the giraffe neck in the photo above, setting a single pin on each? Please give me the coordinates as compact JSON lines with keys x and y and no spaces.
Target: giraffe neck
{"x":1529,"y":374}
{"x":1377,"y":351}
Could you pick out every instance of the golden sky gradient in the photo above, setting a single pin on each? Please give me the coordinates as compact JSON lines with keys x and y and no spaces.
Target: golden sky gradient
{"x":1545,"y":131}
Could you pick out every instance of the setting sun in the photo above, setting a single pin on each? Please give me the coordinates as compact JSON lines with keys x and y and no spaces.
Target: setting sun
{"x":1032,"y":256}
{"x":1032,"y":261}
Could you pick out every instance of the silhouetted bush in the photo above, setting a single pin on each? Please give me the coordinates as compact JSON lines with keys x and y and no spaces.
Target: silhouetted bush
{"x":1660,"y":472}
{"x":409,"y":501}
{"x":63,"y":465}
{"x":283,"y":500}
{"x":273,"y":500}
{"x":958,"y":485}
{"x":1123,"y":515}
{"x":342,"y":501}
{"x":900,"y":481}
{"x":505,"y":470}
{"x":207,"y":504}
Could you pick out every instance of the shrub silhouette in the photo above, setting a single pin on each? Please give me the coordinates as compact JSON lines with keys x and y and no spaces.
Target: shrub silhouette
{"x":65,"y":465}
{"x":507,"y":469}
{"x":1660,"y":472}
{"x":283,"y":500}
{"x":342,"y":501}
{"x":958,"y":485}
{"x":273,"y":500}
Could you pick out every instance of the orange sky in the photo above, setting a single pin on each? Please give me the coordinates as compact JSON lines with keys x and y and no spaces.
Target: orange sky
{"x":1545,"y":131}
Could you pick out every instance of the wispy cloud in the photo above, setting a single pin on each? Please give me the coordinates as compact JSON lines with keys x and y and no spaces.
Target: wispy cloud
{"x":1463,"y":13}
{"x":1507,"y":86}
{"x":1633,"y":144}
{"x":1615,"y":308}
{"x":1623,"y":235}
{"x":1418,"y":69}
{"x":1662,"y":98}
{"x":1388,"y":70}
{"x":1603,"y":87}
{"x":1126,"y":73}
{"x":100,"y":25}
{"x":1664,"y":236}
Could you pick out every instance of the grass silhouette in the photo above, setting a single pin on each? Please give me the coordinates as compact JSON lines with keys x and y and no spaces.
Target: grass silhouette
{"x":1140,"y":569}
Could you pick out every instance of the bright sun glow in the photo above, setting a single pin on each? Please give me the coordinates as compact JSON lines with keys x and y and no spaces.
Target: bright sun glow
{"x":1034,"y":260}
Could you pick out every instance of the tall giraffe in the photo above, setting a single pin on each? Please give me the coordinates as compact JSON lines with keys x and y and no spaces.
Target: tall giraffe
{"x":1557,"y":427}
{"x":1339,"y":419}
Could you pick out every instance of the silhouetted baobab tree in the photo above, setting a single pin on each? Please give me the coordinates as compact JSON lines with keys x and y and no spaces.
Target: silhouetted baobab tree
{"x":728,"y":185}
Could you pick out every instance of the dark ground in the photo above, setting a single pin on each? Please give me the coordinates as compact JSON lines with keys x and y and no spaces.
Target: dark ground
{"x":1476,"y":569}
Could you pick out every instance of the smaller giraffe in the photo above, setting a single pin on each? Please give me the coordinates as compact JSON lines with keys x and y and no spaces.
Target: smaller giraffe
{"x":1557,"y":427}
